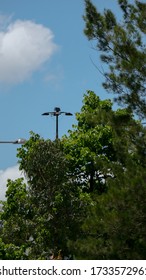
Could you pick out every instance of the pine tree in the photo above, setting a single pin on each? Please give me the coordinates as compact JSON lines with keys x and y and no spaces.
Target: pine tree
{"x":122,"y":48}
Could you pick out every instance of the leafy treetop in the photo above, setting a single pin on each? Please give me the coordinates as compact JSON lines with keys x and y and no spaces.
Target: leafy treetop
{"x":123,"y":50}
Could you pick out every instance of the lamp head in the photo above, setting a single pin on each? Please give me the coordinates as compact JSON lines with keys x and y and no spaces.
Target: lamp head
{"x":57,"y":109}
{"x":68,"y":114}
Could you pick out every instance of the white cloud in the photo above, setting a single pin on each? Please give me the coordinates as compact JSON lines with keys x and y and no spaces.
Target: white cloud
{"x":24,"y":47}
{"x":10,"y":173}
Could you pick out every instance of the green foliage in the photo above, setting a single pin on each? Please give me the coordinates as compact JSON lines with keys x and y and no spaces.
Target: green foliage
{"x":85,"y":145}
{"x":115,"y":225}
{"x":78,"y":199}
{"x":46,"y":213}
{"x":106,"y":151}
{"x":123,"y":50}
{"x":92,"y":148}
{"x":11,"y":252}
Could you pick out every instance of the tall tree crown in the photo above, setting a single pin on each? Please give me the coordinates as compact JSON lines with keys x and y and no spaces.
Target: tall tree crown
{"x":123,"y":50}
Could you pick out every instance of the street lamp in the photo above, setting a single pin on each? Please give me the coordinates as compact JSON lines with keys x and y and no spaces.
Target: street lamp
{"x":57,"y":112}
{"x":18,"y":141}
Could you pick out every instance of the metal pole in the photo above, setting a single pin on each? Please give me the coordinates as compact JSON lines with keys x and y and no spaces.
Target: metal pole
{"x":56,"y":113}
{"x":6,"y":142}
{"x":57,"y":126}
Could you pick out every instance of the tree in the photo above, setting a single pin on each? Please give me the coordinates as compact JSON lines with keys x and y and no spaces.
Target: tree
{"x":64,"y":209}
{"x":44,"y":214}
{"x":16,"y":221}
{"x":115,"y":224}
{"x":106,"y":151}
{"x":92,"y":147}
{"x":123,"y":50}
{"x":89,"y":143}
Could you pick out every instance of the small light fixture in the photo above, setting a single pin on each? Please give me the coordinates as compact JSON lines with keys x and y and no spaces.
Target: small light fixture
{"x":57,"y":112}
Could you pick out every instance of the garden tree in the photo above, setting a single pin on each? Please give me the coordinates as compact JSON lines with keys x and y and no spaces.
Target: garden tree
{"x":102,"y":139}
{"x":122,"y":47}
{"x":115,"y":225}
{"x":16,"y":217}
{"x":46,"y":213}
{"x":11,"y":252}
{"x":106,"y":142}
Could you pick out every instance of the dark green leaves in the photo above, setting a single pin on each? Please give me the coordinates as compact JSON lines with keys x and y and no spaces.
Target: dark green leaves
{"x":123,"y":49}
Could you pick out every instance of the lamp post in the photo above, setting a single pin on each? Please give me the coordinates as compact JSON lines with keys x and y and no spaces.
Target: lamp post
{"x":17,"y":141}
{"x":56,"y":113}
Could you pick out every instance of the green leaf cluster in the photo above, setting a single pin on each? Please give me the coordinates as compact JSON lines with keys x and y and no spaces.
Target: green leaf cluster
{"x":122,"y":47}
{"x":44,"y":213}
{"x":81,"y":199}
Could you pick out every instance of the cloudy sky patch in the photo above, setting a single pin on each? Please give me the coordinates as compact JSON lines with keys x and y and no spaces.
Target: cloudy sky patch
{"x":24,"y":47}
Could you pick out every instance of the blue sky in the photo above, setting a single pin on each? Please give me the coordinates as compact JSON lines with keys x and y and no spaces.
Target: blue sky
{"x":45,"y":61}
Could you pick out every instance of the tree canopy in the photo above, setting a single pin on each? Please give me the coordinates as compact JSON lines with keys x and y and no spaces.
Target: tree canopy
{"x":106,"y":151}
{"x":45,"y":213}
{"x":122,"y":46}
{"x":80,"y":190}
{"x":92,"y":147}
